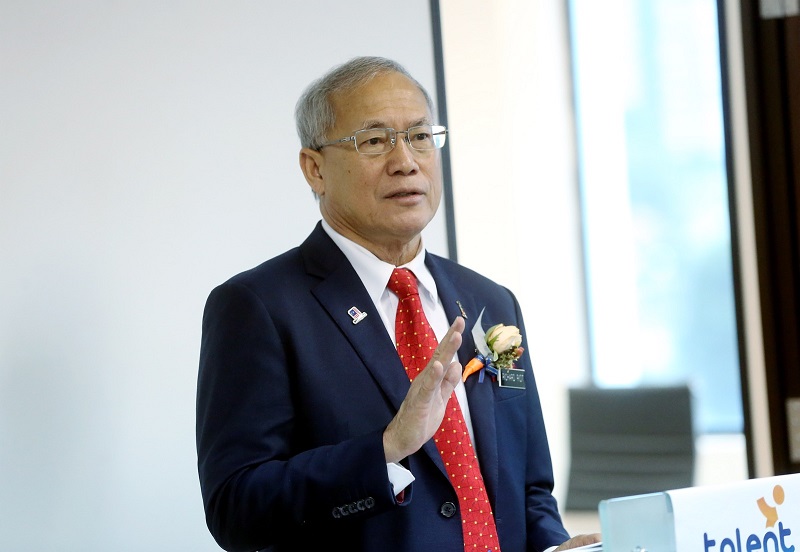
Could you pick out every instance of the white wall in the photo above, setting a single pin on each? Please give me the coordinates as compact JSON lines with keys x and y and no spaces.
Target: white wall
{"x":147,"y":152}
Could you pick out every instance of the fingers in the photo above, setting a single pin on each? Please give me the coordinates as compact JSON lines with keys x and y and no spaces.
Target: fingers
{"x":452,"y":375}
{"x":423,"y":408}
{"x":579,"y":540}
{"x":442,"y":368}
{"x":451,"y":341}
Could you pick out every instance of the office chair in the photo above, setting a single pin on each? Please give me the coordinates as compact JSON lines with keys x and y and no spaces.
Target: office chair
{"x":627,"y":442}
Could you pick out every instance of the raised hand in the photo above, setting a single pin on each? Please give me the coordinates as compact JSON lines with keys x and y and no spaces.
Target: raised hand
{"x":422,"y":410}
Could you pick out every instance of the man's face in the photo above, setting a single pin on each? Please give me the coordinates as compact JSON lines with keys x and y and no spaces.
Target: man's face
{"x":384,"y":200}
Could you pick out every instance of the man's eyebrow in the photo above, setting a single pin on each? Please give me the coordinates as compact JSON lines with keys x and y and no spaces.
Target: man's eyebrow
{"x":375,"y":123}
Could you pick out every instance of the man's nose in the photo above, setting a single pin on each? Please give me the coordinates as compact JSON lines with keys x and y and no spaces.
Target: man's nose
{"x":402,"y":156}
{"x":405,"y":137}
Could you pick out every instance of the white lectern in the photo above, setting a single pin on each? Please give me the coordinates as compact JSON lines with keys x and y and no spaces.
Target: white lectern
{"x":759,"y":515}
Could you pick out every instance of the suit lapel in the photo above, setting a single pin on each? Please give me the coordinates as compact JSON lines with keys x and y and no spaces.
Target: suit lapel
{"x":338,"y":291}
{"x":480,"y":395}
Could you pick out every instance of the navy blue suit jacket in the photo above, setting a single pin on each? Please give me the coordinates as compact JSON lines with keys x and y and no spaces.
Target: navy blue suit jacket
{"x":293,"y":399}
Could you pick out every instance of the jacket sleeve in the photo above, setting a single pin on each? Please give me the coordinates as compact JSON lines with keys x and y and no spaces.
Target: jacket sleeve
{"x":260,"y":482}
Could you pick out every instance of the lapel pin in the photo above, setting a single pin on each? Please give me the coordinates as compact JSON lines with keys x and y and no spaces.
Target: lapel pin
{"x":356,"y":315}
{"x":461,"y":308}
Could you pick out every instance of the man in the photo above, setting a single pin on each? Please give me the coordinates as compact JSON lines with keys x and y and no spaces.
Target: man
{"x":311,"y":434}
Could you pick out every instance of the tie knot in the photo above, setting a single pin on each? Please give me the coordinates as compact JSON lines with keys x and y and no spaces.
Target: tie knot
{"x":403,"y":283}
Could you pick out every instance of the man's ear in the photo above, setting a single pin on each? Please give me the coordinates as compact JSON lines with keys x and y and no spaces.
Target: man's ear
{"x":311,"y":162}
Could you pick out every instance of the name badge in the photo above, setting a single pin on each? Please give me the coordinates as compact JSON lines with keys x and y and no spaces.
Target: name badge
{"x":513,"y":378}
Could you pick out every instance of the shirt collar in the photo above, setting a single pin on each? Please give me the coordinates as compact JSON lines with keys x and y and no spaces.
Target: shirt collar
{"x":375,"y":273}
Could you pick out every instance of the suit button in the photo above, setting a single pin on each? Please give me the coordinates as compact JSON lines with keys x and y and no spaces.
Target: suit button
{"x":448,"y":509}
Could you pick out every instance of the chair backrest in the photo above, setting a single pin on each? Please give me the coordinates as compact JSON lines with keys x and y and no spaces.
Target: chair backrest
{"x":627,"y":442}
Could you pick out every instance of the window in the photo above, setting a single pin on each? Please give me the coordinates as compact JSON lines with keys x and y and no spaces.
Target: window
{"x":654,"y":196}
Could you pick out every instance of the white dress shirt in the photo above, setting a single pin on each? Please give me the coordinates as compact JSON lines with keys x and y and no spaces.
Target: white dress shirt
{"x":374,"y":274}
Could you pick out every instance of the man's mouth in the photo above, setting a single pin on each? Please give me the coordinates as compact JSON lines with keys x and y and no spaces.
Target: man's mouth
{"x":405,"y":194}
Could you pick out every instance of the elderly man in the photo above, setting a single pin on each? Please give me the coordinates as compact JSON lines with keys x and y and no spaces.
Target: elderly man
{"x":331,"y":411}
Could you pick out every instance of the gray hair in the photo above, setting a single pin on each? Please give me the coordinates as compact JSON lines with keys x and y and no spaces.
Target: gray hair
{"x":314,"y":113}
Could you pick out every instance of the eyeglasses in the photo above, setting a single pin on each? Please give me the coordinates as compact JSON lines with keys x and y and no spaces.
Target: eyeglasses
{"x":376,"y":141}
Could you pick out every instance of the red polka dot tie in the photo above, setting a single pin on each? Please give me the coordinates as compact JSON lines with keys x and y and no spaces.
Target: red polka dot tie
{"x":415,"y":345}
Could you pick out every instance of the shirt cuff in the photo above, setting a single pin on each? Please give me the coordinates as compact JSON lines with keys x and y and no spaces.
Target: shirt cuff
{"x":399,"y":477}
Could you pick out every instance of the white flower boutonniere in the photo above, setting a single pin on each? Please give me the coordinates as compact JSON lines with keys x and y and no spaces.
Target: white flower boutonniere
{"x":497,"y":349}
